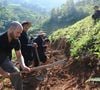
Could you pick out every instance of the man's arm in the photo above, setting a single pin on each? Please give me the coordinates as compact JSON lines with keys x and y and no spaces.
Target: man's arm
{"x":21,"y":60}
{"x":5,"y":74}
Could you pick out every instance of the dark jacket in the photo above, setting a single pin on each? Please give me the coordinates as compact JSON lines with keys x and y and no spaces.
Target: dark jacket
{"x":96,"y":15}
{"x":26,"y":47}
{"x":40,"y":44}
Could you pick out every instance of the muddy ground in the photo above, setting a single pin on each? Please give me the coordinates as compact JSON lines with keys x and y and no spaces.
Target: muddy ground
{"x":71,"y":75}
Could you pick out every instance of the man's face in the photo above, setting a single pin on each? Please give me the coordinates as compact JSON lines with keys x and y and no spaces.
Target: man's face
{"x":96,"y":8}
{"x":16,"y":33}
{"x":26,"y":27}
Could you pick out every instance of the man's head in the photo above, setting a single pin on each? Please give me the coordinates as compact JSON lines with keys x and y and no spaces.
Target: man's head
{"x":26,"y":25}
{"x":96,"y":7}
{"x":15,"y":30}
{"x":47,"y":41}
{"x":42,"y":34}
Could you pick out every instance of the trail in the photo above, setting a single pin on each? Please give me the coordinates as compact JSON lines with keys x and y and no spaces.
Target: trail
{"x":71,"y":75}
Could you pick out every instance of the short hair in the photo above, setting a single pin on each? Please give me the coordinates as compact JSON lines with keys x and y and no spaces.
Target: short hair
{"x":26,"y":23}
{"x":15,"y":24}
{"x":42,"y":33}
{"x":47,"y":40}
{"x":96,"y":7}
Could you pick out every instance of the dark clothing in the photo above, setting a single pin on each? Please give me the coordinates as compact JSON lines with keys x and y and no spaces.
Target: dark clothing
{"x":6,"y":47}
{"x":96,"y":15}
{"x":41,"y":51}
{"x":26,"y":48}
{"x":16,"y":80}
{"x":40,"y":44}
{"x":42,"y":58}
{"x":5,"y":59}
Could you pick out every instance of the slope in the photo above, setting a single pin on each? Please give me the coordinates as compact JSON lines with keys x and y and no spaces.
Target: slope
{"x":84,"y":37}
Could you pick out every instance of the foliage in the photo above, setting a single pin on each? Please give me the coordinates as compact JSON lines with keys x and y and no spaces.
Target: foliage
{"x":69,"y":13}
{"x":84,"y":37}
{"x":10,"y":11}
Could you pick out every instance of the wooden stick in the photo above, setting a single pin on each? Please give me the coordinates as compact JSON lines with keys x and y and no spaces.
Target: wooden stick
{"x":45,"y":66}
{"x":48,"y":65}
{"x":37,"y":54}
{"x":41,"y":67}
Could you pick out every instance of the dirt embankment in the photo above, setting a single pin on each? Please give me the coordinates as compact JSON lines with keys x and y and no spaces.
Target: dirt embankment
{"x":71,"y":75}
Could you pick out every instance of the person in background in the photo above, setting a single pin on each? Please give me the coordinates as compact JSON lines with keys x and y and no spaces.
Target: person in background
{"x":26,"y":45}
{"x":96,"y":15}
{"x":46,"y":44}
{"x":8,"y":41}
{"x":39,"y":52}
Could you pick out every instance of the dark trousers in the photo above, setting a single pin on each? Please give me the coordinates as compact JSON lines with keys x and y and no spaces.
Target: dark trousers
{"x":16,"y":80}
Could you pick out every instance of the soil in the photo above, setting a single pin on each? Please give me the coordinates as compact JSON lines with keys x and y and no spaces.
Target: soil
{"x":71,"y":75}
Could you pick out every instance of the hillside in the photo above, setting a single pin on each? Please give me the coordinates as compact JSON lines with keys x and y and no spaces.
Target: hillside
{"x":77,"y":45}
{"x":69,"y":13}
{"x":73,"y":73}
{"x":20,"y":13}
{"x":83,"y":36}
{"x":37,"y":4}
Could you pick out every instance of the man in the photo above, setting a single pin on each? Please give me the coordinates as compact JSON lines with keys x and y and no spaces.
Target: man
{"x":26,"y":45}
{"x":47,"y":44}
{"x":39,"y":52}
{"x":96,"y":15}
{"x":8,"y":41}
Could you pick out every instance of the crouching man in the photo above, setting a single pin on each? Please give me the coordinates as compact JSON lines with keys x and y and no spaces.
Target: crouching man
{"x":8,"y":41}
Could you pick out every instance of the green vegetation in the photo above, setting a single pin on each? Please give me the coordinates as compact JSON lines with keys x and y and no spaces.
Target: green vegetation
{"x":96,"y":79}
{"x":69,"y":13}
{"x":63,"y":16}
{"x":13,"y":55}
{"x":10,"y":11}
{"x":84,"y":37}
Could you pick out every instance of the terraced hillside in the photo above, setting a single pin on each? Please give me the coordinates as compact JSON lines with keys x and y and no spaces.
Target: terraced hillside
{"x":84,"y":37}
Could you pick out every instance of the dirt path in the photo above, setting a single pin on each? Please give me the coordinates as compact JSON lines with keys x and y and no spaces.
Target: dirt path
{"x":69,"y":76}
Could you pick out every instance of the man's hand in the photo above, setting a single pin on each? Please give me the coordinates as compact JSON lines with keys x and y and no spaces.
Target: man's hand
{"x":6,"y":75}
{"x":46,"y":45}
{"x":26,"y":69}
{"x":35,"y":45}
